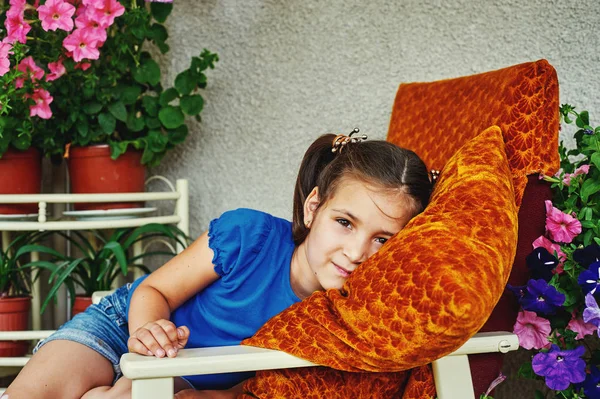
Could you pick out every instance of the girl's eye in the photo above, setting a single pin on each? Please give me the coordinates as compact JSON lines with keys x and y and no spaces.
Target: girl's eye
{"x":381,"y":240}
{"x":344,"y":222}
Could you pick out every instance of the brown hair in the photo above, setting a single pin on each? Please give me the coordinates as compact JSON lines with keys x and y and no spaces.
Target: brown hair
{"x":376,"y":161}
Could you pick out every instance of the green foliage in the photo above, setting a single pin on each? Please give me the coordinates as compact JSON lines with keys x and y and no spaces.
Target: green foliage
{"x":576,"y":192}
{"x":15,"y":280}
{"x":100,"y":258}
{"x":119,"y":100}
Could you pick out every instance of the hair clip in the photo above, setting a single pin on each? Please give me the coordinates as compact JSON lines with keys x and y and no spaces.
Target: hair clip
{"x":434,"y":175}
{"x":341,"y":140}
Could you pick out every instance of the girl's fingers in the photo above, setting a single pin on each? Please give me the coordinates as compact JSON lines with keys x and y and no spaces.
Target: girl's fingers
{"x":183,"y":334}
{"x":169,"y":329}
{"x":134,"y":345}
{"x":163,"y":340}
{"x":149,"y":335}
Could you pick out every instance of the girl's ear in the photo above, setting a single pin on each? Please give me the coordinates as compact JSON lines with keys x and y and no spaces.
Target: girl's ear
{"x":311,"y":205}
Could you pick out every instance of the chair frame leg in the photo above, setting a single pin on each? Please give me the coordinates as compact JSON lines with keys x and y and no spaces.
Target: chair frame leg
{"x":452,"y":377}
{"x":156,"y":388}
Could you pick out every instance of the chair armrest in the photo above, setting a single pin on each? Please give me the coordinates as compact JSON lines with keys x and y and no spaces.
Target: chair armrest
{"x":213,"y":360}
{"x":226,"y":359}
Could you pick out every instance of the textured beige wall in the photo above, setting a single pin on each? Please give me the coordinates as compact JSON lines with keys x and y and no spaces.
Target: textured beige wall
{"x":291,"y":70}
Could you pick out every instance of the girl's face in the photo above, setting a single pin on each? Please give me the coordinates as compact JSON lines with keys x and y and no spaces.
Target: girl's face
{"x":344,"y":231}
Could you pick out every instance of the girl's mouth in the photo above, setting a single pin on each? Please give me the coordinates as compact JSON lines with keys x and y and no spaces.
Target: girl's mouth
{"x":341,"y":271}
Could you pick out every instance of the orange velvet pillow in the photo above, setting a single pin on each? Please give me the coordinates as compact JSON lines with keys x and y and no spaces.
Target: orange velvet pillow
{"x":428,"y":290}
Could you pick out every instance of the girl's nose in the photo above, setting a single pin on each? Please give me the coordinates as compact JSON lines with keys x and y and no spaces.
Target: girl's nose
{"x":356,"y":250}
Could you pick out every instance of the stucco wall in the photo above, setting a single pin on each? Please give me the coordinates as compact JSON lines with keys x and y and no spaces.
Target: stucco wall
{"x":291,"y":70}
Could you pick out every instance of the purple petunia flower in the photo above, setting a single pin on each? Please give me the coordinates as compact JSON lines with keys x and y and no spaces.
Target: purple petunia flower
{"x":518,"y":291}
{"x":541,"y":297}
{"x":589,"y":280}
{"x":560,"y":367}
{"x":588,"y":255}
{"x":541,"y":263}
{"x":591,"y":385}
{"x":591,"y":313}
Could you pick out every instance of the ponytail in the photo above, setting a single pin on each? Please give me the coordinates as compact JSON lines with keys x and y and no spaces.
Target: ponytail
{"x":316,"y":158}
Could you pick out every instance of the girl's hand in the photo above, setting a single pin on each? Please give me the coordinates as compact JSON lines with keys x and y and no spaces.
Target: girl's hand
{"x":158,"y":338}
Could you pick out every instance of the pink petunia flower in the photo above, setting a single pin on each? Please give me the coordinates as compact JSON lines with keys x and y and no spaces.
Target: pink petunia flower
{"x":56,"y":14}
{"x":560,"y":226}
{"x":30,"y":71}
{"x":93,"y":3}
{"x":82,"y":44}
{"x":16,"y":27}
{"x":41,"y":107}
{"x":5,"y":48}
{"x":107,"y":12}
{"x":543,"y":242}
{"x":17,"y":7}
{"x":88,"y":21}
{"x":532,"y":330}
{"x":582,"y":170}
{"x":581,"y":327}
{"x":82,"y":65}
{"x":57,"y":69}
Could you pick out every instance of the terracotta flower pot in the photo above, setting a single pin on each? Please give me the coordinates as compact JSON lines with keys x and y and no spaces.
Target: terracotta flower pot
{"x":81,"y":304}
{"x":21,"y":173}
{"x":91,"y":170}
{"x":14,"y":316}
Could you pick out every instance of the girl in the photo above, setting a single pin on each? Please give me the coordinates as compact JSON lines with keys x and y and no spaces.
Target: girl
{"x":350,"y":198}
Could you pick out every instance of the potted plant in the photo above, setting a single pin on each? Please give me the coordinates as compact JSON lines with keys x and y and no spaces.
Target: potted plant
{"x":15,"y":288}
{"x":100,"y":260}
{"x":102,"y":88}
{"x":560,"y":318}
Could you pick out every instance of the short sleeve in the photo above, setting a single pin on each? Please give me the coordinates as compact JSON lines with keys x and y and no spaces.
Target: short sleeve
{"x":236,"y":237}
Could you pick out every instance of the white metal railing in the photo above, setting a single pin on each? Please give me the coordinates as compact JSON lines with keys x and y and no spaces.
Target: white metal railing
{"x":179,"y":193}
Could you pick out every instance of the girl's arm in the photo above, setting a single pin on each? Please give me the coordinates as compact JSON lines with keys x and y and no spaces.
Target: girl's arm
{"x":161,"y":293}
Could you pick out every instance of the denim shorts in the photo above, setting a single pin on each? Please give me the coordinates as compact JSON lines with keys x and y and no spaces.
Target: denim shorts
{"x":102,"y":327}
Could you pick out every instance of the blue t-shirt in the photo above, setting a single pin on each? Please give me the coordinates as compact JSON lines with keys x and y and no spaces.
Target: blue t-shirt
{"x":252,"y":254}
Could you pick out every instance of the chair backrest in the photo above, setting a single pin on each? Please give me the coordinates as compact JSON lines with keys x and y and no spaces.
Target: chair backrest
{"x":435,"y":119}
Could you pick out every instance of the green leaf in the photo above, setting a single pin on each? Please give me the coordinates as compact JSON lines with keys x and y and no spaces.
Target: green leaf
{"x":130,"y":94}
{"x":171,"y":117}
{"x":587,"y":237}
{"x":192,"y":105}
{"x":118,"y":110}
{"x":177,"y":136}
{"x":150,"y":104}
{"x":595,"y":159}
{"x":160,"y":11}
{"x":107,"y":122}
{"x":119,"y":253}
{"x":135,"y":124}
{"x":157,"y":141}
{"x":167,"y":96}
{"x":147,"y":72}
{"x":22,"y":141}
{"x":185,"y":83}
{"x":588,"y":224}
{"x":117,"y":148}
{"x":158,"y":32}
{"x":152,"y":123}
{"x":82,"y":126}
{"x":589,"y":187}
{"x":585,"y":117}
{"x":92,"y":108}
